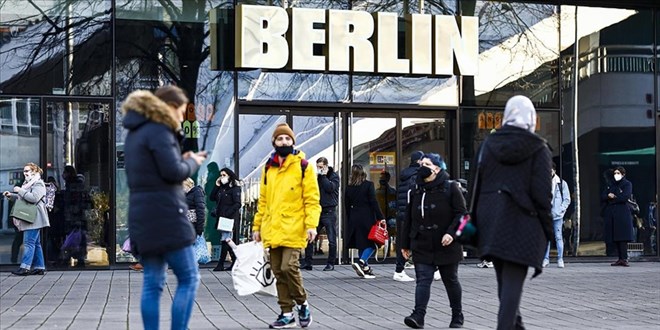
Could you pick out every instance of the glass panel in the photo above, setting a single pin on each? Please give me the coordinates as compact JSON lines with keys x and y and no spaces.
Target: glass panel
{"x":518,"y":53}
{"x":20,"y":127}
{"x":77,"y":156}
{"x":55,"y":47}
{"x":418,"y":90}
{"x":613,"y":126}
{"x":425,"y":134}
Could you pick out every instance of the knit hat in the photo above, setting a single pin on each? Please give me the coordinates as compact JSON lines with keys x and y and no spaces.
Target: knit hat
{"x":519,"y":112}
{"x":283,"y":128}
{"x":416,"y":155}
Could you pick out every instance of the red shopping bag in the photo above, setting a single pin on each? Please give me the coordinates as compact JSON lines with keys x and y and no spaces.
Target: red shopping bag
{"x":378,"y":233}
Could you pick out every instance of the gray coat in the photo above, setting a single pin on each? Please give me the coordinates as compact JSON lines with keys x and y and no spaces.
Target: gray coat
{"x":33,"y":194}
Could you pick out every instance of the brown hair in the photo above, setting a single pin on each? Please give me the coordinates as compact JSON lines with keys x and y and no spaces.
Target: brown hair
{"x":358,"y":175}
{"x":322,"y":160}
{"x":35,"y":168}
{"x":172,"y":95}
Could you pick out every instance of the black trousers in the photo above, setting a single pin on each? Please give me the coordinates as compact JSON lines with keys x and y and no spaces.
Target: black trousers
{"x":328,"y":220}
{"x":510,"y":280}
{"x":622,"y":249}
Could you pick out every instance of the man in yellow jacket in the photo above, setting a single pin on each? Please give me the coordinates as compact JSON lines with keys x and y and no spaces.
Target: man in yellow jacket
{"x":286,"y":220}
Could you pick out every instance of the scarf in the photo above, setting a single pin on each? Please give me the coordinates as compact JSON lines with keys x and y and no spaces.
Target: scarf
{"x":35,"y":177}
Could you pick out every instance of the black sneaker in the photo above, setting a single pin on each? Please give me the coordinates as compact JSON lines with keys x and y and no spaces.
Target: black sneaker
{"x":283,"y":322}
{"x":306,"y":265}
{"x":304,"y":316}
{"x":456,"y":320}
{"x":368,"y":272}
{"x":414,"y":321}
{"x":359,"y":267}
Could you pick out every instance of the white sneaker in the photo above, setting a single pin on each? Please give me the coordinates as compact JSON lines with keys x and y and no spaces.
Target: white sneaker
{"x":546,"y":262}
{"x":402,"y":277}
{"x":485,"y":264}
{"x":560,"y":263}
{"x":436,"y":276}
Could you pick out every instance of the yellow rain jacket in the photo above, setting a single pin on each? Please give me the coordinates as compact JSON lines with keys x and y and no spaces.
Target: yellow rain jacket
{"x":288,"y":204}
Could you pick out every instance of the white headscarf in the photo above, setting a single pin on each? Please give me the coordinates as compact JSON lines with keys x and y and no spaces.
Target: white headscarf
{"x":519,"y":112}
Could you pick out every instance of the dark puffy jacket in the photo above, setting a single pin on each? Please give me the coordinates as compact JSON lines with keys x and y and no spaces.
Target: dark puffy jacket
{"x":406,"y":182}
{"x":422,"y":233}
{"x":514,"y":197}
{"x":329,"y":188}
{"x":195,"y":200}
{"x":155,"y":169}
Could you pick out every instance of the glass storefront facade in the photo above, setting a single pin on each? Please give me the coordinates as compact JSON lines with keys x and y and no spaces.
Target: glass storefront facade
{"x":66,"y":67}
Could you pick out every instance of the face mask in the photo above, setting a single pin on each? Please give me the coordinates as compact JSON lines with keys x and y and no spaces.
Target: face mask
{"x":618,"y":177}
{"x":284,"y":151}
{"x":424,"y":172}
{"x":224,"y":180}
{"x":382,"y":182}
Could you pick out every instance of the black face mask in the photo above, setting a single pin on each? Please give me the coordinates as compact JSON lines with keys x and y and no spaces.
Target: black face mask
{"x":424,"y":172}
{"x":284,"y":151}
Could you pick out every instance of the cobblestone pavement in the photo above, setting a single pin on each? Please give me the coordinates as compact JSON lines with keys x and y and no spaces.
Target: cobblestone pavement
{"x":580,"y":296}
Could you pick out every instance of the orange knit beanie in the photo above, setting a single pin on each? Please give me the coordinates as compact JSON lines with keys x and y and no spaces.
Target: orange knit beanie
{"x":283,"y":128}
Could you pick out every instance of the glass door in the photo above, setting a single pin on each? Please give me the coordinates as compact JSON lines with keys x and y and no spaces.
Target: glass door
{"x":77,"y":162}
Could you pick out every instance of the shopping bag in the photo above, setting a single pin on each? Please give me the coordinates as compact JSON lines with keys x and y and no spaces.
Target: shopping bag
{"x":225,"y":224}
{"x":378,"y":233}
{"x":24,"y":210}
{"x":202,"y":254}
{"x":72,"y":241}
{"x":251,"y":272}
{"x":126,"y":247}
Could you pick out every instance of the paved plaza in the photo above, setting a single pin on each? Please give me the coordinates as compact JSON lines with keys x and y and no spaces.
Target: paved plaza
{"x":580,"y":296}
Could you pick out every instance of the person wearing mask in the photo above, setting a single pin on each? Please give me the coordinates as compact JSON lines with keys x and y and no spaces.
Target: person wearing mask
{"x":161,"y":234}
{"x":433,"y":214}
{"x":32,"y":191}
{"x":407,"y":179}
{"x":363,"y":211}
{"x":561,"y":199}
{"x":287,"y":216}
{"x":328,"y":181}
{"x":617,"y":216}
{"x":513,"y":204}
{"x":227,"y":196}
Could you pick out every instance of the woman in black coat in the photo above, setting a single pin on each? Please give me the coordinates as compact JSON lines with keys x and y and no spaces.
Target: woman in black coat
{"x":160,"y":232}
{"x":363,"y":211}
{"x":227,"y":195}
{"x":513,"y":217}
{"x":617,"y":217}
{"x":195,"y":199}
{"x":429,"y":231}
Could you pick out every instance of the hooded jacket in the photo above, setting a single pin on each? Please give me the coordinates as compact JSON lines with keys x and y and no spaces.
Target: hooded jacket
{"x":289,"y":204}
{"x":406,"y":182}
{"x":155,"y":170}
{"x":513,"y":204}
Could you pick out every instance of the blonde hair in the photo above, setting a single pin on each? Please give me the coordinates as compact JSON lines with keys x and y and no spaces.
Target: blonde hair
{"x":35,"y":168}
{"x":188,"y":183}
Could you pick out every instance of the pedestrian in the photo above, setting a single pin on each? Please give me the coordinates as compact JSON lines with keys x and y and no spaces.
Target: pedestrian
{"x":429,"y":231}
{"x":32,"y":191}
{"x":196,"y":200}
{"x":617,"y":216}
{"x":513,"y":204}
{"x":160,"y":231}
{"x":328,"y":181}
{"x":286,"y":220}
{"x":227,"y":197}
{"x":407,"y":179}
{"x":561,"y":199}
{"x":363,"y":211}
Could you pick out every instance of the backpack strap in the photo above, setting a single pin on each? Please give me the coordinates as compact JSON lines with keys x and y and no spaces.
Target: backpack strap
{"x":303,"y":166}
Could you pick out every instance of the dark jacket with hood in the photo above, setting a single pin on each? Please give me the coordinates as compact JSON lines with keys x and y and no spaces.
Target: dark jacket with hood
{"x":155,"y":170}
{"x":513,"y":206}
{"x":195,"y":199}
{"x":617,"y":216}
{"x":329,"y":188}
{"x":228,"y":203}
{"x":433,"y":212}
{"x":362,"y":211}
{"x":406,"y":182}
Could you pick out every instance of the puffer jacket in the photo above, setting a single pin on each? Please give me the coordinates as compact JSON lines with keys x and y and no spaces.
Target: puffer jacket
{"x":406,"y":182}
{"x":196,"y":200}
{"x":33,"y":194}
{"x":289,"y":204}
{"x":155,"y":170}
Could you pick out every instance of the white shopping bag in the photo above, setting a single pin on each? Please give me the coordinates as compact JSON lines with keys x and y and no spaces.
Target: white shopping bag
{"x":251,"y":272}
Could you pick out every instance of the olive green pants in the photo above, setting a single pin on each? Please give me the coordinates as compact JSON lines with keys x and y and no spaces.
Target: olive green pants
{"x":285,"y":264}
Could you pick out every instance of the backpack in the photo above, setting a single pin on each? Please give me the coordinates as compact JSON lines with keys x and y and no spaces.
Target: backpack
{"x":303,"y":167}
{"x":49,"y":199}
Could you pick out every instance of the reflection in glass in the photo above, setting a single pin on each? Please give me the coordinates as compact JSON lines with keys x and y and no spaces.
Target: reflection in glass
{"x":425,"y":134}
{"x":418,"y":90}
{"x":20,"y":127}
{"x":78,"y":135}
{"x":292,"y":86}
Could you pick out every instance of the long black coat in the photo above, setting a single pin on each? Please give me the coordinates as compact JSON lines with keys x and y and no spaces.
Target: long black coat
{"x":195,"y":199}
{"x":442,"y":209}
{"x":155,"y":169}
{"x":363,"y":211}
{"x":617,"y":217}
{"x":228,"y":204}
{"x":513,"y":207}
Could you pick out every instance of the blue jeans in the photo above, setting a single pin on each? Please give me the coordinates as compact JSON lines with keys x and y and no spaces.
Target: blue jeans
{"x":366,"y":254}
{"x":33,"y":254}
{"x":558,"y":225}
{"x":185,"y":268}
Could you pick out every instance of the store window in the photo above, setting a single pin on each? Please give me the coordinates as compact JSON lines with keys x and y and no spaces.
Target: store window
{"x":55,"y":47}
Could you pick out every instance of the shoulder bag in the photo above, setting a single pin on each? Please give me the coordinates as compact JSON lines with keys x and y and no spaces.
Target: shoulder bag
{"x":24,"y":211}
